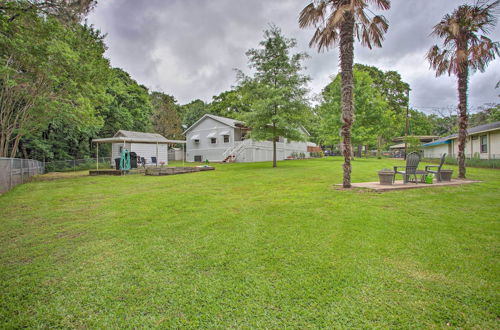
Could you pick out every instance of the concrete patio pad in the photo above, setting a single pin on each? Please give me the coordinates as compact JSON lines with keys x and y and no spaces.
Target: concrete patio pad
{"x":398,"y":185}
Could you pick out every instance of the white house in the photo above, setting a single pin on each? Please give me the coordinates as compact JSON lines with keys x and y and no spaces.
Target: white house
{"x":482,"y":142}
{"x":223,"y":139}
{"x":151,"y":147}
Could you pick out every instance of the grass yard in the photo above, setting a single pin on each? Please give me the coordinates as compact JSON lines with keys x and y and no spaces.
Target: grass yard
{"x":249,"y":246}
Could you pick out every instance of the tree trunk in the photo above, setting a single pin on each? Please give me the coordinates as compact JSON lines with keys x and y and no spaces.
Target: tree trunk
{"x":346,"y":63}
{"x":463,"y":78}
{"x":379,"y":147}
{"x":274,"y":145}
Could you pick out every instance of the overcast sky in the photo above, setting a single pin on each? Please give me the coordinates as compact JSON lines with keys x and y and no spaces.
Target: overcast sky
{"x":189,"y":48}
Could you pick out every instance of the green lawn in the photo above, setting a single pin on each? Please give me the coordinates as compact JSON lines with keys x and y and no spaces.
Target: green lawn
{"x":249,"y":246}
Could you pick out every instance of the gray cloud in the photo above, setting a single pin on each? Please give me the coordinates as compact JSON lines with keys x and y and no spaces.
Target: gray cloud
{"x":189,"y":48}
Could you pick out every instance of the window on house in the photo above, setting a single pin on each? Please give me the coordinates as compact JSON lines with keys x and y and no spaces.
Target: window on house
{"x":484,"y":143}
{"x":121,"y":148}
{"x":196,"y":141}
{"x":213,"y":140}
{"x":226,"y":138}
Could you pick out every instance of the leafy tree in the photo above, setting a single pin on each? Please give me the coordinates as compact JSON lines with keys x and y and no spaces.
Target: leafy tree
{"x":337,"y":22}
{"x":374,"y":121}
{"x":193,"y":111}
{"x":466,"y":48}
{"x":48,"y":72}
{"x":443,"y":124}
{"x":166,"y":120}
{"x":276,"y":93}
{"x":128,"y":105}
{"x":489,"y":114}
{"x":413,"y":144}
{"x":66,"y":11}
{"x":229,"y":104}
{"x":420,"y":123}
{"x":394,"y":90}
{"x":390,"y":85}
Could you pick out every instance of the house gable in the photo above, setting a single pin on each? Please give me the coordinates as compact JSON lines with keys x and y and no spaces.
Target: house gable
{"x":225,"y":121}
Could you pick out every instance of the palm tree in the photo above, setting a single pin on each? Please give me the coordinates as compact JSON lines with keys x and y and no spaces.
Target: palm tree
{"x":465,"y":48}
{"x":338,"y":22}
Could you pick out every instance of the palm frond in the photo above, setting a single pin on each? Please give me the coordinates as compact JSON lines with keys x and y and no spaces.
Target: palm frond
{"x":329,"y":15}
{"x":373,"y":32}
{"x":381,"y":4}
{"x":324,"y":38}
{"x":337,"y":16}
{"x":483,"y":53}
{"x":464,"y":46}
{"x":312,"y":14}
{"x":439,"y":60}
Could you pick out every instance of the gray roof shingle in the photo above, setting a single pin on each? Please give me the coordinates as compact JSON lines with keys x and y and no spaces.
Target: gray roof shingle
{"x":470,"y":131}
{"x":227,"y":121}
{"x":224,"y":120}
{"x":141,"y":135}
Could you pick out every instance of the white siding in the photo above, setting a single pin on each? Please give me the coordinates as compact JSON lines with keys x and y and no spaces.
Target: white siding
{"x":262,"y":151}
{"x":115,"y":151}
{"x":436,"y":151}
{"x":149,"y":150}
{"x":255,"y":151}
{"x":472,"y":147}
{"x":145,"y":150}
{"x":205,"y":149}
{"x":494,"y":145}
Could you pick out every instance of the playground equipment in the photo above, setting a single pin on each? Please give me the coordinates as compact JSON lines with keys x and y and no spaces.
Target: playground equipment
{"x":125,"y":160}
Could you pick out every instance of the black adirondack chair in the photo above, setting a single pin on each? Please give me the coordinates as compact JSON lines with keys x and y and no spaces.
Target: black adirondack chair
{"x":429,"y":168}
{"x":412,"y":160}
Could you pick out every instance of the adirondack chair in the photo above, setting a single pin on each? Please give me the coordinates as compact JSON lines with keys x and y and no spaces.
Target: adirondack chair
{"x":412,"y":160}
{"x":437,"y":171}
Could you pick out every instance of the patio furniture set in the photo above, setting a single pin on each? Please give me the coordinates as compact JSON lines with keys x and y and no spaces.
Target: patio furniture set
{"x":411,"y":173}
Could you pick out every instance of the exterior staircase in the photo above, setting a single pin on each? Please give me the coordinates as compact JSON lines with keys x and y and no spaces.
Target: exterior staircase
{"x":232,"y":153}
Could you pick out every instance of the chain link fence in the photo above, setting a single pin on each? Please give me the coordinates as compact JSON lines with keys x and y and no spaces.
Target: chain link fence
{"x":77,"y":164}
{"x":14,"y":171}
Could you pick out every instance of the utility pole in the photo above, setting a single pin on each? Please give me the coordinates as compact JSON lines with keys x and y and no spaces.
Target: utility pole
{"x":407,"y":122}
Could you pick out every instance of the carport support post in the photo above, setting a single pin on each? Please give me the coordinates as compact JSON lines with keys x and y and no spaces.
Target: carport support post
{"x":183,"y":154}
{"x":97,"y":156}
{"x":157,"y":153}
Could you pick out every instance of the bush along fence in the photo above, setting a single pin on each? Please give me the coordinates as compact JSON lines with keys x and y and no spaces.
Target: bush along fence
{"x":492,"y":162}
{"x":14,"y":171}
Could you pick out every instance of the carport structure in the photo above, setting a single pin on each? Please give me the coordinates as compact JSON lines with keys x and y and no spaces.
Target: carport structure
{"x":147,"y":144}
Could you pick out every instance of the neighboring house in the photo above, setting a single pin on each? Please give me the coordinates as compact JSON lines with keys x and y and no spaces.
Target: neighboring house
{"x":218,"y":139}
{"x":400,"y":147}
{"x":482,"y":142}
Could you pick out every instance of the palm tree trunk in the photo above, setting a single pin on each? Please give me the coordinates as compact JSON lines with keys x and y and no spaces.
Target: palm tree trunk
{"x":346,"y":63}
{"x":463,"y":78}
